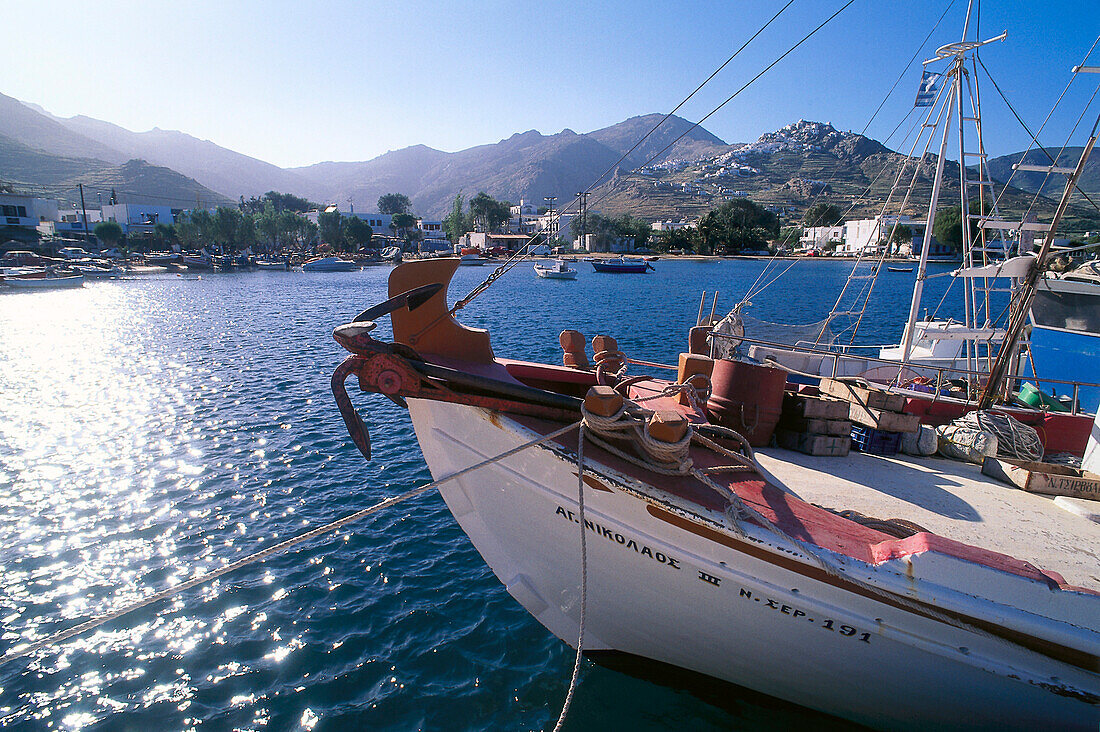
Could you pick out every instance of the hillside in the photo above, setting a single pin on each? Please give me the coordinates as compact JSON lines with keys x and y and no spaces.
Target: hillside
{"x":215,"y":167}
{"x":791,"y":168}
{"x":1053,"y":185}
{"x":138,"y":181}
{"x":36,"y":130}
{"x":24,"y":165}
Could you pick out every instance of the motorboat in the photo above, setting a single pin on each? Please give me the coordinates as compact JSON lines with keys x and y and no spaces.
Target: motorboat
{"x":765,"y":568}
{"x":472,"y":260}
{"x":895,"y":268}
{"x":621,"y":265}
{"x":329,"y":264}
{"x":558,"y":270}
{"x":97,"y":271}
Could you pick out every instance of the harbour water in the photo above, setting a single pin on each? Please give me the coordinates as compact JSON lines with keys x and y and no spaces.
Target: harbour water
{"x":154,"y":429}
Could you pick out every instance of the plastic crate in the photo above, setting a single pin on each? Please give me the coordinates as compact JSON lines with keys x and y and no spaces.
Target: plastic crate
{"x":875,"y":442}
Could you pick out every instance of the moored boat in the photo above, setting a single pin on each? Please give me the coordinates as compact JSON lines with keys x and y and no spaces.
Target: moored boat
{"x":269,"y":264}
{"x":758,"y":568}
{"x":621,"y":265}
{"x":329,"y":264}
{"x":44,"y":280}
{"x":558,"y":270}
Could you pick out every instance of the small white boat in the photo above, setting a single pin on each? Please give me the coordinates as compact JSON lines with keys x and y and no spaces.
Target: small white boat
{"x":95,"y":272}
{"x":471,"y":260}
{"x":558,"y":270}
{"x":329,"y":264}
{"x":392,"y":254}
{"x":44,"y":280}
{"x":270,"y":265}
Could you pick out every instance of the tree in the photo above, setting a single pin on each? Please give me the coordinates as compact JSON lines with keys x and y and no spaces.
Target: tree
{"x":823,"y":214}
{"x":394,"y":203}
{"x":203,"y":222}
{"x":267,"y":223}
{"x":280,"y":201}
{"x":357,"y":232}
{"x":246,"y":231}
{"x":401,"y":222}
{"x":304,"y":233}
{"x":487,"y":213}
{"x":165,"y":234}
{"x":456,"y":224}
{"x":108,"y":232}
{"x":736,"y":226}
{"x":285,"y":225}
{"x":948,"y":228}
{"x":332,"y":229}
{"x":227,"y":221}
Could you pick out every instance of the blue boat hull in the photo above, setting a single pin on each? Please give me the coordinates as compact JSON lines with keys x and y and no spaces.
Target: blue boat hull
{"x":1067,"y":355}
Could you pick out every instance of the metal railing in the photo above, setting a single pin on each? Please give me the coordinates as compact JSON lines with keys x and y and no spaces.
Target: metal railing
{"x":941,"y":372}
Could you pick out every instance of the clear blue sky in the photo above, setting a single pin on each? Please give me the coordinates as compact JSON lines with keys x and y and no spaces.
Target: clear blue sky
{"x":296,"y":83}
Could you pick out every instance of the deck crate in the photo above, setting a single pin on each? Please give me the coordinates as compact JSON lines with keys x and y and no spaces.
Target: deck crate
{"x":875,"y":442}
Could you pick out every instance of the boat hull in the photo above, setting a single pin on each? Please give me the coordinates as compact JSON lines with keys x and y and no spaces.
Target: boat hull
{"x":670,"y":588}
{"x":44,"y":283}
{"x":616,"y":268}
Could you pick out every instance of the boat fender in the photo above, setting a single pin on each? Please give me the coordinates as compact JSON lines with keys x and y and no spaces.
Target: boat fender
{"x":923,"y":443}
{"x":960,"y":442}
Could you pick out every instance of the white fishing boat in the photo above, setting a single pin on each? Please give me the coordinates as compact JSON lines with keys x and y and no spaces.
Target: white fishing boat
{"x":472,"y":260}
{"x":557,"y":270}
{"x":329,"y":264}
{"x":44,"y":280}
{"x":767,"y":572}
{"x":98,"y":272}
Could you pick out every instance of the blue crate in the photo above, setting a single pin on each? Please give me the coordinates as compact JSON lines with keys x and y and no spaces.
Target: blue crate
{"x":875,"y":442}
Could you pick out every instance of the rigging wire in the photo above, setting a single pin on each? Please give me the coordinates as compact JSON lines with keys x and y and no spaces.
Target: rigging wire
{"x":1034,"y":136}
{"x":514,"y":259}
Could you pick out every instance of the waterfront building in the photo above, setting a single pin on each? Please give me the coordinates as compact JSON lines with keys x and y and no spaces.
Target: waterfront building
{"x":672,"y":225}
{"x":26,"y":212}
{"x":819,"y":237}
{"x":431,"y":229}
{"x":871,"y":234}
{"x":139,"y":218}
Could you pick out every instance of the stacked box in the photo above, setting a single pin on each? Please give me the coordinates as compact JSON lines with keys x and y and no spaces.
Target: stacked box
{"x":814,"y":425}
{"x":873,"y":406}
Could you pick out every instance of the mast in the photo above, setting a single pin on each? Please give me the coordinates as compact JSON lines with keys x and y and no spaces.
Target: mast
{"x":958,"y":51}
{"x":930,"y":221}
{"x":1023,"y":305}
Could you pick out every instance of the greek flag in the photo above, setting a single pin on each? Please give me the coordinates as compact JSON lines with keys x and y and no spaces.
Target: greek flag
{"x":926,"y":95}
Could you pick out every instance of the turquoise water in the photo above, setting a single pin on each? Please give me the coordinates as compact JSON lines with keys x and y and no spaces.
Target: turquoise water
{"x":154,"y":429}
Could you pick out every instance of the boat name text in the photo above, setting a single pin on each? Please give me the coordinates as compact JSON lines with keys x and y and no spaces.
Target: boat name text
{"x":618,"y":538}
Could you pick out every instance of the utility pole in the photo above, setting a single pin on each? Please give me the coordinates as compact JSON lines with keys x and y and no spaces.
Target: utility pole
{"x":584,"y":218}
{"x":84,"y":209}
{"x":550,"y":227}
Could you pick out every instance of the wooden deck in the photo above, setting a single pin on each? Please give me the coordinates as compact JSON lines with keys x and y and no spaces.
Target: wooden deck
{"x":949,"y":498}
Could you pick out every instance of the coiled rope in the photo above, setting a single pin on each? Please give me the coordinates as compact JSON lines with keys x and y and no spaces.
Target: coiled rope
{"x":79,"y":629}
{"x":1014,"y":438}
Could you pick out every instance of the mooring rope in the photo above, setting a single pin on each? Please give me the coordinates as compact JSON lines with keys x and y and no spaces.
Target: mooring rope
{"x":584,"y":582}
{"x":282,"y":546}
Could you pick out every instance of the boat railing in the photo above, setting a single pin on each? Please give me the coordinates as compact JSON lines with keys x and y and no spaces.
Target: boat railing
{"x":941,"y":372}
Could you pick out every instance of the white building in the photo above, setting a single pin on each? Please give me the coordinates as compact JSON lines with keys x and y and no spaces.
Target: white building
{"x":817,"y":237}
{"x":135,"y":218}
{"x":863,"y":233}
{"x":672,"y":225}
{"x":379,"y":223}
{"x":26,"y":211}
{"x":431,"y":229}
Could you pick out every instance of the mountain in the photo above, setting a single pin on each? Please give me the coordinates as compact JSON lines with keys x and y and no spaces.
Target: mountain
{"x":1001,"y":170}
{"x":36,"y":130}
{"x":682,"y":138}
{"x":791,"y":168}
{"x":22,"y":164}
{"x":211,"y":165}
{"x":527,"y":165}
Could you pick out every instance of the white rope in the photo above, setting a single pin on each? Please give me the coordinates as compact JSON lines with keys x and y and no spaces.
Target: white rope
{"x":282,"y":546}
{"x":584,"y":581}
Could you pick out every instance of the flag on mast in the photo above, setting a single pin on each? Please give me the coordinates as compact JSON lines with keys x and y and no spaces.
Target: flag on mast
{"x":926,"y":95}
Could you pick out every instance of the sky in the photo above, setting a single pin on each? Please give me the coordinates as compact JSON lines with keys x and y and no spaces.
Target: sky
{"x":297,"y":83}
